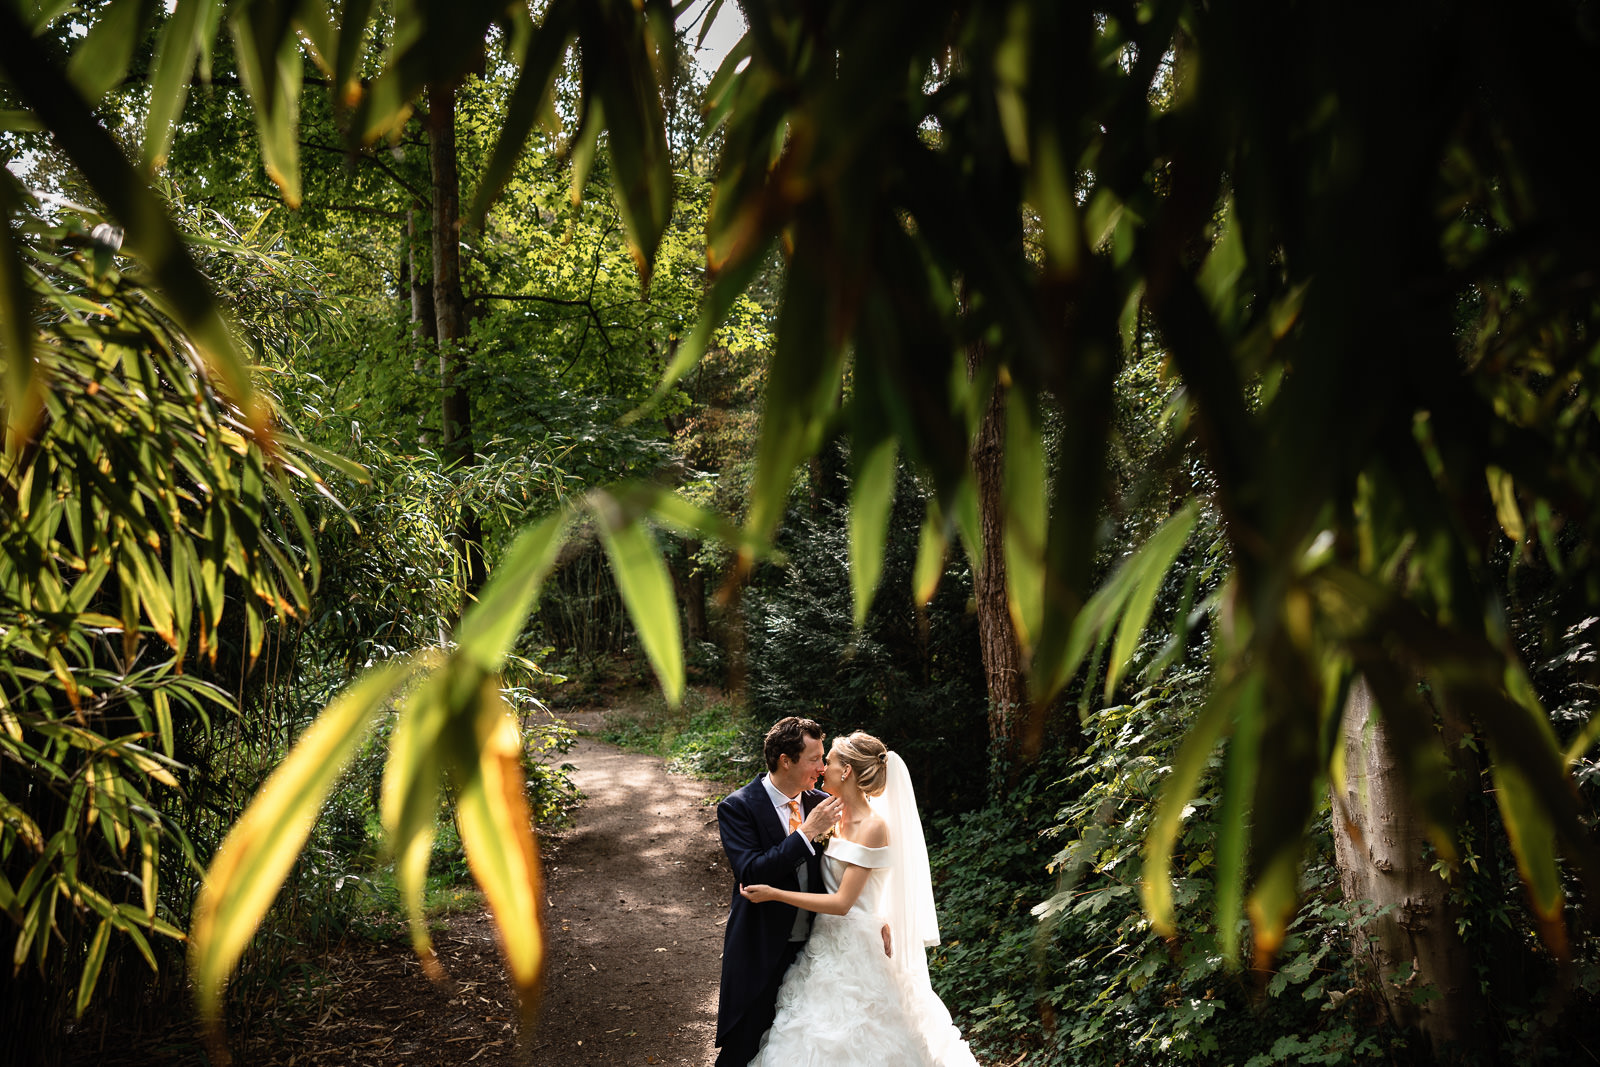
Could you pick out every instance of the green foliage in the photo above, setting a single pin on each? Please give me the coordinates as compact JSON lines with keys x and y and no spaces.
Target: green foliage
{"x":909,"y":676}
{"x":1075,"y":951}
{"x":706,"y":737}
{"x":147,"y":526}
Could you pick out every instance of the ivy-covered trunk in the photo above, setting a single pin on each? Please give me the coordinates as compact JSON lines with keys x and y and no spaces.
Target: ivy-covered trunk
{"x":997,"y":636}
{"x":1409,"y":944}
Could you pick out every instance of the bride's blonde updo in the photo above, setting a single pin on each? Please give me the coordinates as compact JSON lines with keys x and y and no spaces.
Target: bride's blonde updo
{"x":867,"y":758}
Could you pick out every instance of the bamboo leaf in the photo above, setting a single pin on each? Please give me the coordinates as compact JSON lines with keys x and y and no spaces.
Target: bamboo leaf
{"x":646,"y":589}
{"x":23,"y":401}
{"x":871,"y":499}
{"x":183,"y":291}
{"x":101,"y":59}
{"x":91,"y":965}
{"x":1148,"y":570}
{"x":271,"y":69}
{"x":410,"y":799}
{"x":1155,"y":886}
{"x":256,"y":856}
{"x":1504,"y":491}
{"x":1533,"y":841}
{"x":490,"y":627}
{"x":352,"y":43}
{"x":617,"y":70}
{"x":1027,"y":517}
{"x":497,"y":833}
{"x":182,"y":38}
{"x":1232,"y":824}
{"x":932,"y":543}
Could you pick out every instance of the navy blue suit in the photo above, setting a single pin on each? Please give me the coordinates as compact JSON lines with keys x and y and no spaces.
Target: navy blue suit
{"x":755,"y":945}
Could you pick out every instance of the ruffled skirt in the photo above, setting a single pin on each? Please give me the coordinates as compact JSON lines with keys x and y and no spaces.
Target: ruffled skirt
{"x":843,"y":1002}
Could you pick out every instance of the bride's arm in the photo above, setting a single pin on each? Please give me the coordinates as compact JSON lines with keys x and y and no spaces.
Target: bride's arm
{"x":837,"y":903}
{"x":876,"y":835}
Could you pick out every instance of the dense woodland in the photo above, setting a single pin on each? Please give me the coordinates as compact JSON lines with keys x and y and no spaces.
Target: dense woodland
{"x":1170,"y":425}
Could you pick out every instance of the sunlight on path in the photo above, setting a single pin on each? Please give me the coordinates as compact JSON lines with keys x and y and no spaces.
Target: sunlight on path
{"x":638,"y":892}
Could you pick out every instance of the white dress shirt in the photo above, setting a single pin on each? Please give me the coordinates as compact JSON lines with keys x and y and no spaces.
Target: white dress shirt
{"x":781,"y":803}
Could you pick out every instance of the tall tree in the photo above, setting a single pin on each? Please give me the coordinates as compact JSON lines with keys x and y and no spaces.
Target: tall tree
{"x":1412,"y":945}
{"x":450,"y":321}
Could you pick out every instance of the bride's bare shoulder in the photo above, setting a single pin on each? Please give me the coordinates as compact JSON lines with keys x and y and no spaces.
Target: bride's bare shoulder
{"x":873,"y":832}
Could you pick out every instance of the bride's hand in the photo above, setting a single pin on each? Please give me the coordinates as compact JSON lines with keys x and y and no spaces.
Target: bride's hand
{"x":757,"y":894}
{"x":888,"y":943}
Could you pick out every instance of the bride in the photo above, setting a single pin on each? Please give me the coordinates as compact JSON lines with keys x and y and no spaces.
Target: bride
{"x":843,"y":1001}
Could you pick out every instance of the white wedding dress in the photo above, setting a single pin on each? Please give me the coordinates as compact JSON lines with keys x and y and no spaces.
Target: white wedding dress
{"x":843,"y":1002}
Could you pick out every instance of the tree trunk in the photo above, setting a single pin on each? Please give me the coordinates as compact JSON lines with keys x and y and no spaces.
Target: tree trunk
{"x":449,"y":309}
{"x":424,"y":327}
{"x":1422,"y":969}
{"x":997,"y":635}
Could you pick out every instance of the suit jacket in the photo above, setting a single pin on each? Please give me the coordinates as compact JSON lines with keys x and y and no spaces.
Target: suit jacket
{"x":761,"y":851}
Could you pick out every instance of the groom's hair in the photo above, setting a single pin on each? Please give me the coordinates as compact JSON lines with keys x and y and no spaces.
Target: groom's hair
{"x":788,"y":738}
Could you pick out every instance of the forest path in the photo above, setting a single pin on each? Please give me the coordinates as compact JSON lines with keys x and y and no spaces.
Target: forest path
{"x":636,"y":891}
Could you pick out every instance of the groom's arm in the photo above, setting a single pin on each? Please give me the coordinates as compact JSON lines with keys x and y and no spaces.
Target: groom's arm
{"x":750,"y":861}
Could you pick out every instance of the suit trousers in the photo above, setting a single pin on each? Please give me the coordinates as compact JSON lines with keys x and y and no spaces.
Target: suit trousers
{"x":740,"y":1045}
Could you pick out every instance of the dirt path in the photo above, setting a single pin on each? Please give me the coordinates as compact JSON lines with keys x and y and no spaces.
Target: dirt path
{"x":636,"y":894}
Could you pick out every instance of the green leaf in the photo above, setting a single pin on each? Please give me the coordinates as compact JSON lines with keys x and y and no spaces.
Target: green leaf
{"x":183,"y":36}
{"x":1147,"y":571}
{"x":646,"y":588}
{"x":410,"y":797}
{"x":620,"y":72}
{"x":871,"y":499}
{"x":1232,"y":820}
{"x":497,"y":834}
{"x":259,"y":851}
{"x":1155,"y":886}
{"x":101,"y":59}
{"x":490,"y":627}
{"x":348,"y":54}
{"x":803,"y":387}
{"x":1027,"y":518}
{"x":271,"y":69}
{"x":92,"y":964}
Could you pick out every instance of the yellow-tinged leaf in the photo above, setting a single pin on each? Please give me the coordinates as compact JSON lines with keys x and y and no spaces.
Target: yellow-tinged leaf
{"x":1504,"y":491}
{"x":259,"y":851}
{"x":1272,"y":903}
{"x":932,"y":543}
{"x":92,"y":965}
{"x":410,"y":800}
{"x":497,"y":833}
{"x":1533,"y":841}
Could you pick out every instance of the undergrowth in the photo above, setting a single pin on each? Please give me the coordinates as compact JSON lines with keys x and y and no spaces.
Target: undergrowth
{"x":706,"y":736}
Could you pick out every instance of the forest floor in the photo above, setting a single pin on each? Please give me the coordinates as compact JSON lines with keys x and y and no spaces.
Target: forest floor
{"x":637,"y":892}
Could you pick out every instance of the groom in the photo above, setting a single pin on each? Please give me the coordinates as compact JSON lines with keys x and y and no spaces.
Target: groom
{"x":768,"y":829}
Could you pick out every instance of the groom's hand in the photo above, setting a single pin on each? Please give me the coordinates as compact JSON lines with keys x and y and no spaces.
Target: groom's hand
{"x":821,"y":817}
{"x":888,"y":946}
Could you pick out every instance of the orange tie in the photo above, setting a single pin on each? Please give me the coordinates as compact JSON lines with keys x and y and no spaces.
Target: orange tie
{"x":794,"y":815}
